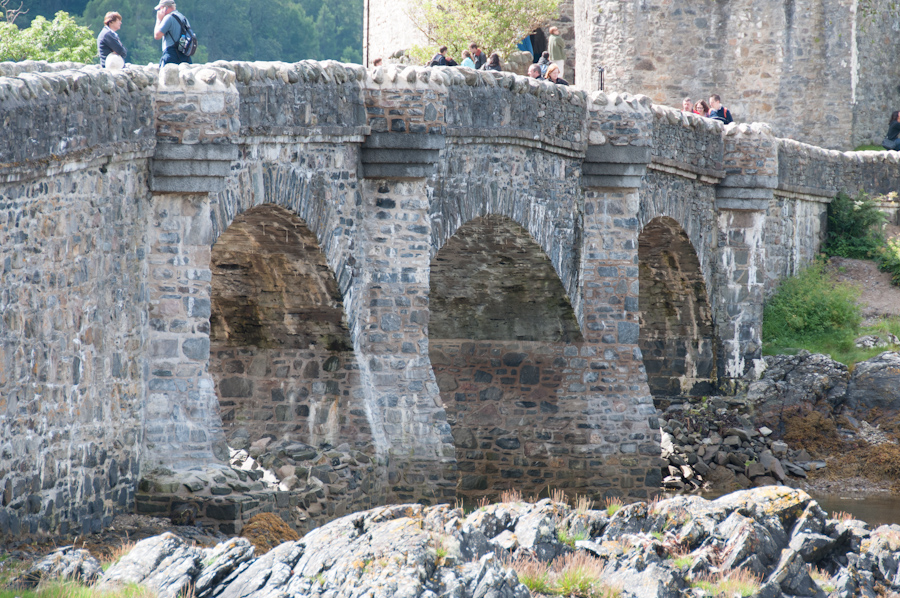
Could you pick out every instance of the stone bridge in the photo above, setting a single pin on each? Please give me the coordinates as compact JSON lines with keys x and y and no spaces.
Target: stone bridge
{"x":476,"y":279}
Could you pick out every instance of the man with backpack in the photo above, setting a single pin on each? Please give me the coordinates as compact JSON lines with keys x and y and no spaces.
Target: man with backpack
{"x":173,"y":28}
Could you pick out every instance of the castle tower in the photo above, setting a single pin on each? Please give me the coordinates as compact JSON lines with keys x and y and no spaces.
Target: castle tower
{"x":820,"y":71}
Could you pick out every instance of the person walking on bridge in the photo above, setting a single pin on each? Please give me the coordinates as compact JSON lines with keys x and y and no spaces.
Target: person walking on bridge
{"x":169,"y":23}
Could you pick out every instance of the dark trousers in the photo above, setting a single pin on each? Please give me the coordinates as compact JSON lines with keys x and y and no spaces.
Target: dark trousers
{"x":173,"y":56}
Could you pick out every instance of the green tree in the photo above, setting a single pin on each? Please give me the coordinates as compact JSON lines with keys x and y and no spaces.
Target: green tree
{"x":496,"y":26}
{"x":60,"y":40}
{"x":46,"y":8}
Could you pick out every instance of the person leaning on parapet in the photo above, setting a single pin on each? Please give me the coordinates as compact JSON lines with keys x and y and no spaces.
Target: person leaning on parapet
{"x":108,"y":41}
{"x":892,"y":140}
{"x":493,"y":63}
{"x":467,"y":59}
{"x":478,"y":56}
{"x":718,"y":111}
{"x":557,"y":49}
{"x":168,"y":29}
{"x":687,"y":105}
{"x":553,"y":75}
{"x":441,"y":58}
{"x":534,"y":71}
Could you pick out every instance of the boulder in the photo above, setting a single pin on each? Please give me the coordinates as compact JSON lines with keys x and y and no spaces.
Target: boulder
{"x":873,"y":384}
{"x":65,"y":564}
{"x":797,"y":382}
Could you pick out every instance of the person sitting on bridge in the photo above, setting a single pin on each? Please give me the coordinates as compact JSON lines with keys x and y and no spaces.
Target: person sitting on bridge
{"x":534,"y":71}
{"x":441,"y":58}
{"x":717,"y":111}
{"x":467,"y":59}
{"x":892,"y":140}
{"x":553,"y":74}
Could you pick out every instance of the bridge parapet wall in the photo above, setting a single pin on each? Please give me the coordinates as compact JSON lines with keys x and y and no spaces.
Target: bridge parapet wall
{"x":50,"y":117}
{"x":302,"y":98}
{"x":687,"y":144}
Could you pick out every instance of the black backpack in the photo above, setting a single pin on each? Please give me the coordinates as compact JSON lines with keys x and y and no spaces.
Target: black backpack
{"x":187,"y":43}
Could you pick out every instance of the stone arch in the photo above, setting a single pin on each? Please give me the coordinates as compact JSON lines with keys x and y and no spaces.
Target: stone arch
{"x":677,"y":332}
{"x":500,"y":327}
{"x":550,"y":217}
{"x":281,"y":354}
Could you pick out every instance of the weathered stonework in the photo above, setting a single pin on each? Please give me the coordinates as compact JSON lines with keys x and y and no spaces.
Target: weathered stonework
{"x":449,"y":273}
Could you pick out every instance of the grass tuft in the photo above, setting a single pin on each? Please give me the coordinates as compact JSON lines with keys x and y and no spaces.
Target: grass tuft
{"x":737,"y":582}
{"x":576,"y":574}
{"x":613,"y":504}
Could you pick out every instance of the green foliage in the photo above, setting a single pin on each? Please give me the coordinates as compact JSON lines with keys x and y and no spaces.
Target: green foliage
{"x":495,"y":26}
{"x":868,"y":148}
{"x":59,"y":40}
{"x":888,"y":258}
{"x":808,"y":303}
{"x":854,"y":227}
{"x":285,"y":30}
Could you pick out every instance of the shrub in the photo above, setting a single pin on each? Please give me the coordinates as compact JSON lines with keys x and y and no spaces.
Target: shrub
{"x":808,"y":303}
{"x":854,"y":227}
{"x":888,"y":258}
{"x":613,"y":504}
{"x":59,"y":40}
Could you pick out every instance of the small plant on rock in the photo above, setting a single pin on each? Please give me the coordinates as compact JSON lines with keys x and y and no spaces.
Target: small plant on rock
{"x":613,"y":504}
{"x":569,"y":539}
{"x":823,"y":579}
{"x":511,"y":495}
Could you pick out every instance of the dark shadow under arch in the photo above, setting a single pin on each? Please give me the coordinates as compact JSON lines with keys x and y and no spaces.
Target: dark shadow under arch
{"x":677,"y":335}
{"x":492,"y":281}
{"x":280,"y":350}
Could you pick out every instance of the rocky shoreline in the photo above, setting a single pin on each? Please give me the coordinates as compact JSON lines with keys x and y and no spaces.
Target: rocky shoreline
{"x":775,"y":540}
{"x":757,"y":437}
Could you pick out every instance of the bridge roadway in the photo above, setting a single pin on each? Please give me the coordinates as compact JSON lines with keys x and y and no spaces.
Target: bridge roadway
{"x":477,"y":278}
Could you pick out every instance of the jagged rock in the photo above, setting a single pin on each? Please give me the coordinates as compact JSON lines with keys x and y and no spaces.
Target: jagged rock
{"x":66,"y":563}
{"x":792,"y":575}
{"x":164,"y":563}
